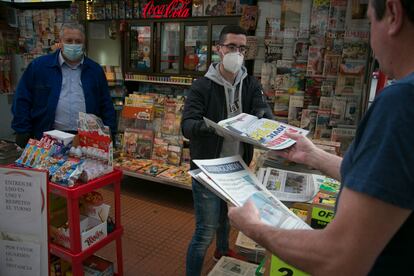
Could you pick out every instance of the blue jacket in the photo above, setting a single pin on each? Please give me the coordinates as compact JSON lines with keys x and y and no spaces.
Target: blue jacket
{"x":38,"y":91}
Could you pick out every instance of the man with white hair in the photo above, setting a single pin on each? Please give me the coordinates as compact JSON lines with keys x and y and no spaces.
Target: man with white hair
{"x":56,"y":87}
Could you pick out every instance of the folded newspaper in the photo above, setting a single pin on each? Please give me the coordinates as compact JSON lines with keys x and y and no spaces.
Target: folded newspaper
{"x":230,"y":179}
{"x":228,"y":266}
{"x":290,"y":185}
{"x":262,"y":133}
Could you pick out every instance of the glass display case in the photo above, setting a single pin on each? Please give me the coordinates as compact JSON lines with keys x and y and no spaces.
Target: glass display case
{"x":158,"y":49}
{"x":140,"y":48}
{"x":215,"y":36}
{"x":170,"y":48}
{"x":195,"y":48}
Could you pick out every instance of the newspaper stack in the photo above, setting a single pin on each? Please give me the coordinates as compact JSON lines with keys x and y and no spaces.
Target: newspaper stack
{"x":228,"y":266}
{"x":249,"y":248}
{"x":230,"y":179}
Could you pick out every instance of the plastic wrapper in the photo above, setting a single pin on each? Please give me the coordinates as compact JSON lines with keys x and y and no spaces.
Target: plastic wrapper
{"x":68,"y":173}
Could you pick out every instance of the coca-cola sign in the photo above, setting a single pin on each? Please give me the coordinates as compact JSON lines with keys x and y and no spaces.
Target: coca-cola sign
{"x":167,"y":9}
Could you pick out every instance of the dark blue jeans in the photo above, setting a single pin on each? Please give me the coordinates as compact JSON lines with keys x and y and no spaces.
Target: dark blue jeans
{"x":211,"y":218}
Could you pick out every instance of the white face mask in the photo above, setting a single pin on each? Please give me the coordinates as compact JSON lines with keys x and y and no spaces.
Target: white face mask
{"x":232,"y":62}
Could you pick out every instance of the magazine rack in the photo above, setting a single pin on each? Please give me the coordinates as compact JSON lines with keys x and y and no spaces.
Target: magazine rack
{"x":75,"y":255}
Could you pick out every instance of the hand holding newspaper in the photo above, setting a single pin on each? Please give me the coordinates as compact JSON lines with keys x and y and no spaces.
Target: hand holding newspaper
{"x":230,"y":179}
{"x":262,"y":133}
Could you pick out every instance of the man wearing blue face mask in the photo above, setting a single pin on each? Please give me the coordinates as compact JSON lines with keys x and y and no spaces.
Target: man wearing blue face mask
{"x":56,"y":87}
{"x":225,"y":91}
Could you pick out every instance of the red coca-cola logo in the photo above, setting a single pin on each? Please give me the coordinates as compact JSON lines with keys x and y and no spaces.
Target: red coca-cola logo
{"x":172,"y":9}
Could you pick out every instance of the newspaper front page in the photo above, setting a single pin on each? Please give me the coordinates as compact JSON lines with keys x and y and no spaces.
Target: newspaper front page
{"x":262,"y":133}
{"x":289,"y":185}
{"x":237,"y":185}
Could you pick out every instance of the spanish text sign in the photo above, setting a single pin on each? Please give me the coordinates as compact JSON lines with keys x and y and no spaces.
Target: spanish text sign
{"x":23,"y":222}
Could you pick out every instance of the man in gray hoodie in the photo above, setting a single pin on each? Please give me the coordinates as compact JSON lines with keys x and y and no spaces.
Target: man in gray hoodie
{"x":225,"y":91}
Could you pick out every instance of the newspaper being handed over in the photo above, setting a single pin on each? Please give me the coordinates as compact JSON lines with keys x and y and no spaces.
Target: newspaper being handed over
{"x":289,"y":185}
{"x":262,"y":133}
{"x":230,"y":179}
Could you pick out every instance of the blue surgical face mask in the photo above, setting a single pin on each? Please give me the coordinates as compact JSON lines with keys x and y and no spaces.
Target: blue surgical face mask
{"x":73,"y":52}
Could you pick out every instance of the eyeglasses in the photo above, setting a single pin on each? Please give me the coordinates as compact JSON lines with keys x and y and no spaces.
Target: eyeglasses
{"x":234,"y":48}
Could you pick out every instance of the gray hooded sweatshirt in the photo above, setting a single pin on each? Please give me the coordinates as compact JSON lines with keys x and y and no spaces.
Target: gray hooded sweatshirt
{"x":233,"y":93}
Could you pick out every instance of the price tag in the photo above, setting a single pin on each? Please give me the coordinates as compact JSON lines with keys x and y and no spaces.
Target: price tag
{"x":280,"y":268}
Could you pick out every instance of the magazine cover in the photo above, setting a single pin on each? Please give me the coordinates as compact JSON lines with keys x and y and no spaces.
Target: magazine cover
{"x":348,"y":84}
{"x":352,"y":110}
{"x":251,"y":48}
{"x":300,"y":50}
{"x":208,"y":6}
{"x":331,"y":65}
{"x":319,"y":16}
{"x":281,"y":106}
{"x":338,"y":111}
{"x":334,"y":42}
{"x":144,"y":143}
{"x":160,"y":149}
{"x":197,"y":9}
{"x":323,"y":129}
{"x":313,"y":90}
{"x":316,"y":58}
{"x":174,"y":155}
{"x":325,"y":103}
{"x":273,"y":50}
{"x":356,"y":45}
{"x":295,"y":109}
{"x":231,"y":7}
{"x":272,"y":29}
{"x":308,"y":120}
{"x":248,"y":18}
{"x":130,"y":142}
{"x":262,"y":133}
{"x":267,"y":78}
{"x":345,"y":136}
{"x":337,"y":15}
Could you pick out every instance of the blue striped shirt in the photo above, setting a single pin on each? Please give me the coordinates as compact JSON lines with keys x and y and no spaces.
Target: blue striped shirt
{"x":71,"y":99}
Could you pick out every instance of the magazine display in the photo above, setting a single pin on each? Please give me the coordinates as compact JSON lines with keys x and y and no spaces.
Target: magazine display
{"x":228,"y":266}
{"x":262,"y":133}
{"x":289,"y":185}
{"x":230,"y":179}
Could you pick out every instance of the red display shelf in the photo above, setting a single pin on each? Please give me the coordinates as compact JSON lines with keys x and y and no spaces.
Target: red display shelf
{"x":67,"y":255}
{"x":75,"y":254}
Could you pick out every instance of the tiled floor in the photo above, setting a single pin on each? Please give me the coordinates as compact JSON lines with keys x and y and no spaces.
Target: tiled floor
{"x":158,"y":224}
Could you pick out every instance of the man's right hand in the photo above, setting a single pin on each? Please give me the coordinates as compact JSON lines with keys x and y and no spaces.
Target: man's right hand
{"x":301,"y":152}
{"x":207,"y":130}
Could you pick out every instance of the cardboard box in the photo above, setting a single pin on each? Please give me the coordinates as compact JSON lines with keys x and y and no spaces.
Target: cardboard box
{"x":65,"y":137}
{"x":97,"y":231}
{"x":97,"y":266}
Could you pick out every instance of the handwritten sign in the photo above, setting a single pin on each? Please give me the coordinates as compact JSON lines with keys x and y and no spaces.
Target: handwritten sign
{"x":23,"y":222}
{"x":19,"y":258}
